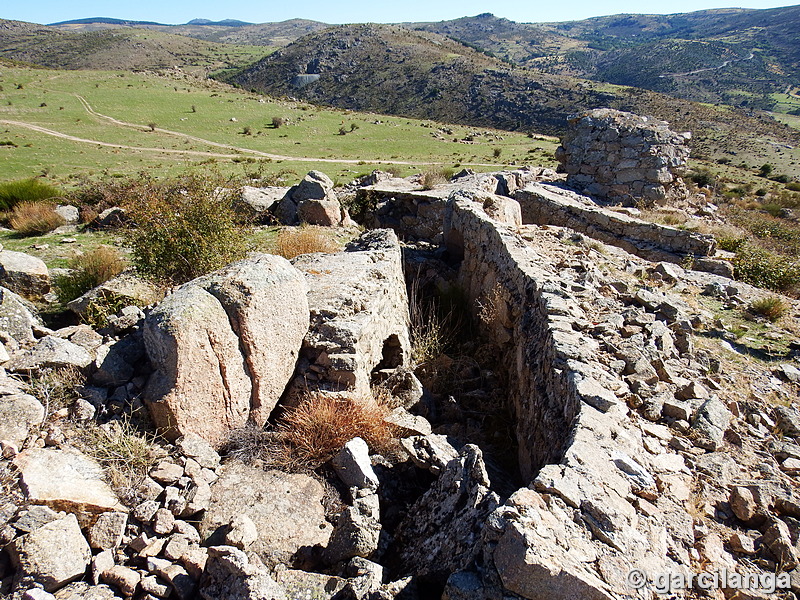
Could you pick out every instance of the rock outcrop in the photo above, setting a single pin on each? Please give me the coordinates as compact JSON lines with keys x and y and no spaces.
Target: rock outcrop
{"x":224,"y":347}
{"x":312,"y":201}
{"x":24,"y":274}
{"x":359,"y":315}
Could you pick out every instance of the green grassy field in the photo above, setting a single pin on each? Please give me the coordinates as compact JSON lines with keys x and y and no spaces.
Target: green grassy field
{"x":168,"y":123}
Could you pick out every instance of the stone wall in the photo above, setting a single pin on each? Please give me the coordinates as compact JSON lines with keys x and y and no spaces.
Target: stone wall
{"x":622,"y":157}
{"x":543,"y":204}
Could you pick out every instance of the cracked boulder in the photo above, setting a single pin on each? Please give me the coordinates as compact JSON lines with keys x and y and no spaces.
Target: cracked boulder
{"x":224,"y":347}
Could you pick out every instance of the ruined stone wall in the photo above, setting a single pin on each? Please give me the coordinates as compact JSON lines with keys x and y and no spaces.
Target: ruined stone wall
{"x":623,"y":157}
{"x":497,"y":268}
{"x":543,"y":204}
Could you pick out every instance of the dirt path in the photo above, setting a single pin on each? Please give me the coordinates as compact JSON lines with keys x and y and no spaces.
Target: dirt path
{"x":236,"y":149}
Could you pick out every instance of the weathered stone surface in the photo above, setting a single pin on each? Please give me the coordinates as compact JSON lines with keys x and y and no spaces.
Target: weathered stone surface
{"x":242,"y":532}
{"x":84,"y":591}
{"x":543,"y":571}
{"x":131,"y":289}
{"x":359,"y":315}
{"x":17,"y":316}
{"x":69,"y":213}
{"x":439,"y":535}
{"x":110,"y":218}
{"x":327,"y":213}
{"x":53,"y":555}
{"x":285,"y":509}
{"x":314,"y":186}
{"x":19,"y":414}
{"x":592,"y":153}
{"x":711,"y":422}
{"x":779,"y":541}
{"x":50,"y":352}
{"x":353,"y":466}
{"x":107,"y":531}
{"x":122,"y":578}
{"x":357,"y":531}
{"x":302,"y":584}
{"x":230,"y":575}
{"x":224,"y":347}
{"x":194,"y":447}
{"x":65,"y":480}
{"x":24,"y":274}
{"x":256,"y":203}
{"x":432,"y":452}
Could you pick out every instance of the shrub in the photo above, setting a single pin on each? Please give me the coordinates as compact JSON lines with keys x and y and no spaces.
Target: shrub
{"x":278,"y":122}
{"x":772,"y":307}
{"x":765,"y":170}
{"x":35,"y":218}
{"x":315,"y":430}
{"x":26,"y":190}
{"x":794,"y":186}
{"x":766,"y":269}
{"x":305,"y":239}
{"x":185,"y":228}
{"x":497,"y":152}
{"x":89,"y":270}
{"x":152,"y":126}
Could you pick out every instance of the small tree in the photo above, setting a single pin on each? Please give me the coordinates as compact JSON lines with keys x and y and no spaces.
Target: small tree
{"x":278,"y":122}
{"x":497,"y":152}
{"x":194,"y":108}
{"x":152,"y":126}
{"x":765,"y":170}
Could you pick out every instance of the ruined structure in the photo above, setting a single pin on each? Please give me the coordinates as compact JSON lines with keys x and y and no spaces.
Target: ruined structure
{"x":623,"y":158}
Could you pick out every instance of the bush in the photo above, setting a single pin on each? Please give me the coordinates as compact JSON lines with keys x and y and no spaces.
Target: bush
{"x":278,"y":122}
{"x":89,"y":270}
{"x":26,"y":190}
{"x":772,"y":308}
{"x":766,"y":269}
{"x":35,"y":218}
{"x":185,"y":228}
{"x":304,"y":240}
{"x":321,"y":425}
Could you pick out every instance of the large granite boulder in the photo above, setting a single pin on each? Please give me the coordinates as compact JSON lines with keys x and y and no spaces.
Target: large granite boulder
{"x":24,"y":274}
{"x":311,"y":201}
{"x":19,"y":413}
{"x":224,"y":347}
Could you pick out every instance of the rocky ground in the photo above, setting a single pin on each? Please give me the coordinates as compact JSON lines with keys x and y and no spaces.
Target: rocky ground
{"x":673,"y":445}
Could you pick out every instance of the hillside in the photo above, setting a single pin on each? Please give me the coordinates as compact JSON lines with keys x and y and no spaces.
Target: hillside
{"x":393,"y":70}
{"x":734,"y":56}
{"x":116,"y":48}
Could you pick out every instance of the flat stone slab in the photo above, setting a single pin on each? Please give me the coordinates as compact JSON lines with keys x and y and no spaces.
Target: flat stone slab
{"x":66,"y":480}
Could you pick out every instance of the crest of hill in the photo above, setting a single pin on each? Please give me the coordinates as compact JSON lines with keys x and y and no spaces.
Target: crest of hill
{"x":114,"y":48}
{"x":394,"y":70}
{"x":229,"y":31}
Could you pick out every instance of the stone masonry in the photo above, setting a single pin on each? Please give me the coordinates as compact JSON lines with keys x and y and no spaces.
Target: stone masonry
{"x":622,"y":157}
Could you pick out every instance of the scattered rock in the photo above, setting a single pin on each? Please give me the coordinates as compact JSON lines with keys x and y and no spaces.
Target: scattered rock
{"x":353,"y":466}
{"x":24,"y":274}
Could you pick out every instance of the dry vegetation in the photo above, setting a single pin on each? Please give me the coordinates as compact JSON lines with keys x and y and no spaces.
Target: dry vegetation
{"x":90,"y":270}
{"x":34,"y":218}
{"x":305,"y":239}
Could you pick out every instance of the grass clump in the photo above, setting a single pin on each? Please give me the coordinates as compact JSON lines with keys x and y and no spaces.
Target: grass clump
{"x":771,"y":308}
{"x":185,"y":228}
{"x":35,"y":218}
{"x":305,"y":239}
{"x":125,"y":449}
{"x":89,"y":270}
{"x":314,"y":431}
{"x":430,"y":179}
{"x":25,"y":190}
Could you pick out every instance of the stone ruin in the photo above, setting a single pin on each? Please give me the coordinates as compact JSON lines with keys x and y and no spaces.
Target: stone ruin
{"x":623,"y":158}
{"x":631,"y":447}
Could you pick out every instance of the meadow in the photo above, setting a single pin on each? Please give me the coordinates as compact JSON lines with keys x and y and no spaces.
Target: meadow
{"x":163,"y":124}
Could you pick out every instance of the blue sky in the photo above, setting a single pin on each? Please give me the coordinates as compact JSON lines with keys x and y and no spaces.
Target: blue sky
{"x":346,"y":11}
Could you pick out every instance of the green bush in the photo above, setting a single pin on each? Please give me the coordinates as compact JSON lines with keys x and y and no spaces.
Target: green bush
{"x":185,"y":228}
{"x":766,"y":269}
{"x":26,"y":190}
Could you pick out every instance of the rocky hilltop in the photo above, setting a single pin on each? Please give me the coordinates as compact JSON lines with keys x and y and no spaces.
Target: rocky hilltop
{"x":593,"y":430}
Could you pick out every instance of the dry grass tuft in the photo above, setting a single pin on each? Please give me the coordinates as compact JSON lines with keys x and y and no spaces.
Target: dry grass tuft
{"x":315,"y":430}
{"x":126,"y":450}
{"x":90,"y":270}
{"x":305,"y":239}
{"x":771,"y":308}
{"x":430,"y":179}
{"x":35,"y":218}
